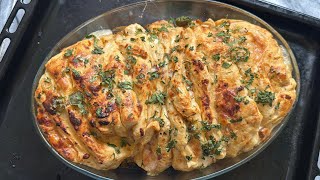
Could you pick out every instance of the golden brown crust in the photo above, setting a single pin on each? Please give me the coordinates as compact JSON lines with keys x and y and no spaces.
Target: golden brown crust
{"x":167,"y":96}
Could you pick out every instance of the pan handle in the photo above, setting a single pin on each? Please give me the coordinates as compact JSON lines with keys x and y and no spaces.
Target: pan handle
{"x":14,"y":38}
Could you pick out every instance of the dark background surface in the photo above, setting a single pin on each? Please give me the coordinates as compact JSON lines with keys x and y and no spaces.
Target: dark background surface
{"x":24,"y":156}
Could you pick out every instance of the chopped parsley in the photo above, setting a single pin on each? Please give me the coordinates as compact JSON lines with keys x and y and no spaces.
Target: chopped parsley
{"x":189,"y":158}
{"x":153,"y":75}
{"x":192,"y":128}
{"x":128,"y":48}
{"x":207,"y":127}
{"x":97,"y":49}
{"x":224,"y":24}
{"x":175,"y":48}
{"x":139,"y":31}
{"x":76,"y":73}
{"x":171,"y":145}
{"x":107,"y":78}
{"x":239,"y":54}
{"x":215,"y":80}
{"x":225,"y":35}
{"x":216,"y":57}
{"x":277,"y":106}
{"x":177,"y":39}
{"x":114,"y":147}
{"x":163,"y":29}
{"x":140,"y":76}
{"x":210,"y":34}
{"x":143,"y":39}
{"x":246,"y":101}
{"x":175,"y":59}
{"x":132,"y":59}
{"x":100,"y":113}
{"x":124,"y":142}
{"x":236,"y":120}
{"x":233,"y":135}
{"x":239,"y":98}
{"x":211,"y":148}
{"x":158,"y":151}
{"x":242,"y":39}
{"x":68,"y":53}
{"x":191,"y":48}
{"x":58,"y":103}
{"x":132,"y":39}
{"x":47,"y":80}
{"x":152,"y":37}
{"x":118,"y":101}
{"x":66,"y":70}
{"x":126,"y":85}
{"x":160,"y":120}
{"x":77,"y":99}
{"x":226,"y":65}
{"x":265,"y":97}
{"x":81,"y":59}
{"x":157,"y":98}
{"x":162,"y":64}
{"x":188,"y":82}
{"x":117,"y":58}
{"x":251,"y":76}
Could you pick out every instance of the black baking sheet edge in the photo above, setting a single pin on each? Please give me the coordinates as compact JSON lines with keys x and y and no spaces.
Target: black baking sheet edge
{"x":245,"y":4}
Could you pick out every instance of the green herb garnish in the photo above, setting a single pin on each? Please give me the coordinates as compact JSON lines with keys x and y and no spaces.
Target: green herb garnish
{"x":117,"y":58}
{"x":207,"y":127}
{"x":226,"y":65}
{"x":68,"y":53}
{"x":211,"y":148}
{"x":177,"y":39}
{"x":76,"y":73}
{"x":124,"y":142}
{"x":152,"y":37}
{"x":126,"y":85}
{"x":114,"y":147}
{"x":225,"y":35}
{"x":158,"y":151}
{"x":77,"y":99}
{"x":163,"y":29}
{"x":189,"y":158}
{"x":175,"y":59}
{"x":153,"y":75}
{"x":265,"y":97}
{"x":239,"y":54}
{"x":107,"y":78}
{"x":171,"y":145}
{"x":157,"y":98}
{"x":47,"y":80}
{"x":236,"y":120}
{"x":216,"y":57}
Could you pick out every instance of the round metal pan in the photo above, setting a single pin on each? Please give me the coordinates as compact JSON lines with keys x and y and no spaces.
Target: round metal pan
{"x":145,"y":13}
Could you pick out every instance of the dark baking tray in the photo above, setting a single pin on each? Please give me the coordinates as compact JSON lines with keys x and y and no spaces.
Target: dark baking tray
{"x":292,"y":155}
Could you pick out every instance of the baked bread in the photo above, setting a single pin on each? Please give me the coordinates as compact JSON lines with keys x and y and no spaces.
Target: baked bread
{"x":179,"y":93}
